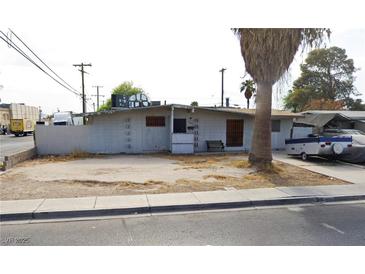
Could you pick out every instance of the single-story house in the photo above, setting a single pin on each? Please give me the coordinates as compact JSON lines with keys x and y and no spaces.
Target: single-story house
{"x":174,"y":128}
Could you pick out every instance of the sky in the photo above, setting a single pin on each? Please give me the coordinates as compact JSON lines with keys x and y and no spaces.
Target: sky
{"x":172,"y":49}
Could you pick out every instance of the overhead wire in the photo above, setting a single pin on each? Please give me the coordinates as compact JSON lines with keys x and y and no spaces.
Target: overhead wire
{"x":12,"y":32}
{"x":20,"y":51}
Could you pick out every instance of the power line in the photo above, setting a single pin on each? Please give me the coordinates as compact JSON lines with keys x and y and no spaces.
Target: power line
{"x":41,"y":59}
{"x":20,"y":51}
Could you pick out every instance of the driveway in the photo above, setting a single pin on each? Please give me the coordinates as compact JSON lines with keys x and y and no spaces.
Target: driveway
{"x":10,"y":144}
{"x":351,"y":173}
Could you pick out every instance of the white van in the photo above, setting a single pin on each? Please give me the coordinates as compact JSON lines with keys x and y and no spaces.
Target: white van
{"x":63,"y":118}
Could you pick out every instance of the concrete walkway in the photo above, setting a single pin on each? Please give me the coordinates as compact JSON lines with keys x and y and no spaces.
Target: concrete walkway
{"x":351,"y":173}
{"x":153,"y":203}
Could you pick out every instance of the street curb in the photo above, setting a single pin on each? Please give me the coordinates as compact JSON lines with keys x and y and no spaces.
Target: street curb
{"x":175,"y":208}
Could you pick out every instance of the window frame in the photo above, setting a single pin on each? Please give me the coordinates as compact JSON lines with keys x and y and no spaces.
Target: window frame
{"x":155,"y":121}
{"x":275,"y":129}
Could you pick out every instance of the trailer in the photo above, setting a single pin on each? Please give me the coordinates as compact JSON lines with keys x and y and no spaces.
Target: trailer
{"x":327,"y":147}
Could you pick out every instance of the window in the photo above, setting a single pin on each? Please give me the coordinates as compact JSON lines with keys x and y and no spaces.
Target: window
{"x":234,"y":133}
{"x":179,"y":125}
{"x":155,"y":121}
{"x":275,"y":126}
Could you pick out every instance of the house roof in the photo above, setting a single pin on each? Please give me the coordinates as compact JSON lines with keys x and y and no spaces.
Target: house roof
{"x":320,"y":118}
{"x":274,"y":112}
{"x":355,"y":115}
{"x":250,"y":112}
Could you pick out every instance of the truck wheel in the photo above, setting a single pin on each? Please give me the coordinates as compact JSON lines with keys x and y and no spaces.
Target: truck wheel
{"x":16,"y":134}
{"x":304,"y":156}
{"x":24,"y":134}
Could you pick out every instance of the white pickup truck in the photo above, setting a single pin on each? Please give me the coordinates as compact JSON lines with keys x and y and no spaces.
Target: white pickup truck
{"x":328,"y":147}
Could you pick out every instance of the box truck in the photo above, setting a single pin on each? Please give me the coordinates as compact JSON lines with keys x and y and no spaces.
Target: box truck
{"x":21,"y":126}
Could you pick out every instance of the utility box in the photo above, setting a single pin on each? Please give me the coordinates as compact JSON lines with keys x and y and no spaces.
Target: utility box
{"x":182,"y":143}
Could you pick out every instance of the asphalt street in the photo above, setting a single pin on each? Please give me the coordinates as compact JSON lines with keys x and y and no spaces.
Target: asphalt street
{"x":336,"y":224}
{"x":9,"y":144}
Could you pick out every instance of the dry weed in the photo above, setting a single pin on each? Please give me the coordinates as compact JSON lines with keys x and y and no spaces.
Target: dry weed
{"x":239,"y":164}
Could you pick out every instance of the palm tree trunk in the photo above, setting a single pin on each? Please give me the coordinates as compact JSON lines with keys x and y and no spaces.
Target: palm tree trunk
{"x":261,"y":154}
{"x":248,"y":103}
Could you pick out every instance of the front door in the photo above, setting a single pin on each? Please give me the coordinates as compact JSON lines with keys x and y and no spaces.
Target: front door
{"x":234,"y":133}
{"x":179,"y":125}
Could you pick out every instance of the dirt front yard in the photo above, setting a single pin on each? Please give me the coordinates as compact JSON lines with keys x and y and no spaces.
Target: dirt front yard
{"x":60,"y":177}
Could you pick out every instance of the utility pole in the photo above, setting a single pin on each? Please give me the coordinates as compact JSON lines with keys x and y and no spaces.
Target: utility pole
{"x":82,"y":65}
{"x":222,"y":71}
{"x":97,"y":95}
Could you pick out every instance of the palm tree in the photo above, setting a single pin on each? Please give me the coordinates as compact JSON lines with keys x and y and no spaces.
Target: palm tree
{"x":249,"y":87}
{"x":267,"y":54}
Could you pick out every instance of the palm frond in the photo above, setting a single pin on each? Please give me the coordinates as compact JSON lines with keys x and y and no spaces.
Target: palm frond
{"x":268,"y":52}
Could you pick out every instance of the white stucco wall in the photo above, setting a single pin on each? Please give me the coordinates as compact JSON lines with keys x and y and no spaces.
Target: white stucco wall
{"x":212,"y":126}
{"x":278,"y":138}
{"x":126,"y":132}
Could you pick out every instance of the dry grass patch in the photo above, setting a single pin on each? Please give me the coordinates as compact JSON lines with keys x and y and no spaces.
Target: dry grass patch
{"x":254,"y":177}
{"x":197,"y":162}
{"x":240,"y":164}
{"x":219,"y":177}
{"x":76,"y":155}
{"x":281,"y":174}
{"x":221,"y":172}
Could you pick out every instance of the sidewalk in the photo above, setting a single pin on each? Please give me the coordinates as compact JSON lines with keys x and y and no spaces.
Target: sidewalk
{"x":189,"y":201}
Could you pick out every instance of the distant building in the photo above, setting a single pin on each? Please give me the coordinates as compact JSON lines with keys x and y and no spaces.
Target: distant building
{"x":4,"y":115}
{"x":17,"y":111}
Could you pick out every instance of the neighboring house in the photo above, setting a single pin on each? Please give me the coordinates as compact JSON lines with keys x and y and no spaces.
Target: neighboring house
{"x":175,"y":128}
{"x":4,"y":115}
{"x":332,"y":119}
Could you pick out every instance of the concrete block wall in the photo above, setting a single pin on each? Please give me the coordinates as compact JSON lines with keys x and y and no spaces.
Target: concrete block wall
{"x":12,"y":160}
{"x":123,"y":132}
